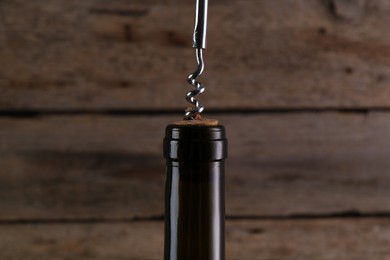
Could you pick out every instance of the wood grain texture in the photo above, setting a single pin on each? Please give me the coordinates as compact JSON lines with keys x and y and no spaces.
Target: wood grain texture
{"x":245,"y":240}
{"x":112,"y":167}
{"x":98,"y":55}
{"x":82,"y":185}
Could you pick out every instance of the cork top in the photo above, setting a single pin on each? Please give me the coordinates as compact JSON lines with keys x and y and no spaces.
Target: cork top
{"x":201,"y":121}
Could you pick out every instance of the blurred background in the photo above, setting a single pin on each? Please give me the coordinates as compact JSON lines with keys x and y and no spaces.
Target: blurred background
{"x":87,"y":88}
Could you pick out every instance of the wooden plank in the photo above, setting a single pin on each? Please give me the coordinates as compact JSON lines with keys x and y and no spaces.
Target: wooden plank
{"x":112,"y":167}
{"x":245,"y":240}
{"x":98,"y":55}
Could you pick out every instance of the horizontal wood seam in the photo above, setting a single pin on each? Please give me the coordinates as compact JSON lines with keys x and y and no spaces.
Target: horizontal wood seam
{"x":124,"y":112}
{"x":157,"y":218}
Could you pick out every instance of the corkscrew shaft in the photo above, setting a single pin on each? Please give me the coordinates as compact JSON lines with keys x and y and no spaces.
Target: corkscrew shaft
{"x":199,"y":43}
{"x":199,"y":37}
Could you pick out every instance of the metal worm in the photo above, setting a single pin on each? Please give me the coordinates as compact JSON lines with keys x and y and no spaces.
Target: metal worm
{"x":199,"y":43}
{"x":198,"y":107}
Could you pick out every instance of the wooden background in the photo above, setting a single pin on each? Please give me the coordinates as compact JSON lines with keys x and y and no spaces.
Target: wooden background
{"x":87,"y":88}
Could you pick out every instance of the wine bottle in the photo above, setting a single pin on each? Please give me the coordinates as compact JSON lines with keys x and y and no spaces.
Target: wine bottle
{"x":194,"y":198}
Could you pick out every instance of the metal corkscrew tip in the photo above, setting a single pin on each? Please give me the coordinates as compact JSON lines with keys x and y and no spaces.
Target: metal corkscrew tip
{"x":199,"y":43}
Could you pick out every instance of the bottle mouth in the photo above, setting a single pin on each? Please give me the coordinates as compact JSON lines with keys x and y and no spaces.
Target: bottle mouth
{"x":195,"y":143}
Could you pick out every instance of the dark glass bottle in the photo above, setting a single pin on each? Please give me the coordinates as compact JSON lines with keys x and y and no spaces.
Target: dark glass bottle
{"x":194,"y":199}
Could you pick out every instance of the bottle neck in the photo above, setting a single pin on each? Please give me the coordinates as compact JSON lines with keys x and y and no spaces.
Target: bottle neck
{"x":194,"y":199}
{"x":194,"y":211}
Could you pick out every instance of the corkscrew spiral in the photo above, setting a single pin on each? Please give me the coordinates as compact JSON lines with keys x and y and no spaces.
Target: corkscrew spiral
{"x":199,"y":43}
{"x":197,"y":106}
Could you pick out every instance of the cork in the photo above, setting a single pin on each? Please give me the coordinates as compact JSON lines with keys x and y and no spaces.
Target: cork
{"x":198,"y":120}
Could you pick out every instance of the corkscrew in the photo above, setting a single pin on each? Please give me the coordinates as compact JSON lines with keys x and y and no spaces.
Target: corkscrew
{"x":199,"y":43}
